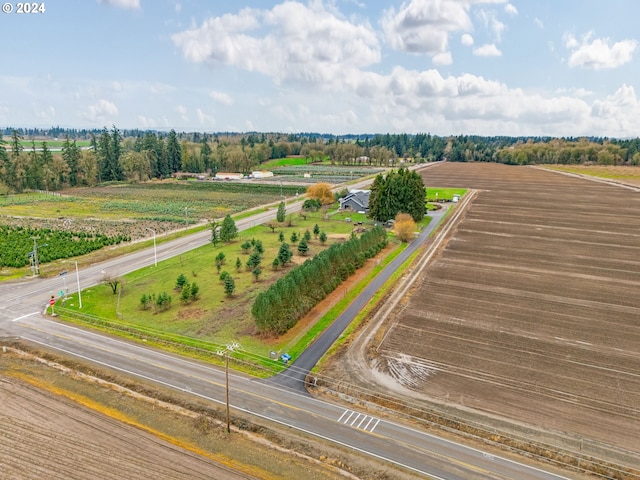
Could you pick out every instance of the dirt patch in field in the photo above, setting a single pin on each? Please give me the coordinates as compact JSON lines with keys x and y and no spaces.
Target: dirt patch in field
{"x":190,"y":313}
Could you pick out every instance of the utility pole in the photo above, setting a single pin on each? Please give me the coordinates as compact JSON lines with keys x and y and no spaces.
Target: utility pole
{"x":78,"y":280}
{"x":227,"y":385}
{"x":36,"y":261}
{"x":35,"y":255}
{"x":155,"y":251}
{"x":226,"y":352}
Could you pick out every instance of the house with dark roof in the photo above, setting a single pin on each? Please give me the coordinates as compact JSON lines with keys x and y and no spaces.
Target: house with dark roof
{"x":356,"y":201}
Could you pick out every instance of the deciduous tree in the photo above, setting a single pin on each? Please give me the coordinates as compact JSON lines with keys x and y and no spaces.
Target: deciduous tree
{"x":404,"y":227}
{"x":321,"y":191}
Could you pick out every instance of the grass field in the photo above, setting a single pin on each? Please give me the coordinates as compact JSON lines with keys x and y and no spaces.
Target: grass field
{"x":27,"y":143}
{"x":627,"y":174}
{"x":215,"y":316}
{"x":283,"y":162}
{"x":443,"y":194}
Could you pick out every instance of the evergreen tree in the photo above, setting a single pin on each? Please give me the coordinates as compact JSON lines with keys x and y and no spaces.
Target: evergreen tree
{"x":246,"y":246}
{"x":254,"y":260}
{"x":229,"y":285}
{"x":228,"y":229}
{"x":282,"y":212}
{"x":194,"y":291}
{"x":50,"y":178}
{"x":256,"y":273}
{"x":181,"y":281}
{"x":72,"y":155}
{"x":4,"y":162}
{"x":401,"y":191}
{"x":303,"y":247}
{"x":116,"y":152}
{"x":205,"y":155}
{"x":275,"y":264}
{"x":174,"y":152}
{"x":185,"y":295}
{"x":284,"y":254}
{"x":16,"y":144}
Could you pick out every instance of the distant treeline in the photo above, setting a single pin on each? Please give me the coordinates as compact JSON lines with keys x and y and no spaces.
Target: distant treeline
{"x":137,"y":156}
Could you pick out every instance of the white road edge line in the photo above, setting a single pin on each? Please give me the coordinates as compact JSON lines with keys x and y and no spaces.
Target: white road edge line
{"x":25,"y":316}
{"x":309,"y":432}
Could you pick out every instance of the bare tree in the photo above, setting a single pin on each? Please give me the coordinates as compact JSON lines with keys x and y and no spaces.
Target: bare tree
{"x":113,"y":281}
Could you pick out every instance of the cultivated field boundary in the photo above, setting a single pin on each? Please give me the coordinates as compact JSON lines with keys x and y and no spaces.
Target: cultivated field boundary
{"x":476,"y":426}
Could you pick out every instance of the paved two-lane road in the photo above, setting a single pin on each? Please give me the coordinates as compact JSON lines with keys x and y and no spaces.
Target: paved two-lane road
{"x":21,"y":315}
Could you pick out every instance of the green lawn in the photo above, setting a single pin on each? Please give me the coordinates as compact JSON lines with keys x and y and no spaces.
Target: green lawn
{"x":434,"y":193}
{"x":27,"y":143}
{"x":283,"y":162}
{"x":214,"y":317}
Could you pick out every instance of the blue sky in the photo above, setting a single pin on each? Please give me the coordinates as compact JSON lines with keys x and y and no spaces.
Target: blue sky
{"x":493,"y":67}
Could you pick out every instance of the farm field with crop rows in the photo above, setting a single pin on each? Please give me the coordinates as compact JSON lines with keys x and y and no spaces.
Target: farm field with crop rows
{"x":530,"y":312}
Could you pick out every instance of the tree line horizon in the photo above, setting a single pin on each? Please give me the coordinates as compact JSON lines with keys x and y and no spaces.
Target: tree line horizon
{"x":138,"y":156}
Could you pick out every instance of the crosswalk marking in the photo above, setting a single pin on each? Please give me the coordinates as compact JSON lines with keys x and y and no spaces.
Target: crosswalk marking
{"x":359,"y":420}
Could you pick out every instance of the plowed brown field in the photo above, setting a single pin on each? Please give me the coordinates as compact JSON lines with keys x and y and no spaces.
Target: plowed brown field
{"x":532,"y":310}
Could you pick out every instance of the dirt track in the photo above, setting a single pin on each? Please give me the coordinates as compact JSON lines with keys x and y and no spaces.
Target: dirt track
{"x":531,"y":311}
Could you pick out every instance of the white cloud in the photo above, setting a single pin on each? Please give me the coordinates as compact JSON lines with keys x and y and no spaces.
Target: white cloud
{"x":491,"y":22}
{"x":597,"y":53}
{"x":442,"y":59}
{"x":511,"y":9}
{"x":178,"y":7}
{"x":221,"y":97}
{"x":617,"y":114}
{"x":125,"y":4}
{"x":487,"y":50}
{"x":205,"y":119}
{"x":104,"y":111}
{"x":182,"y":111}
{"x":575,"y":91}
{"x":466,"y":103}
{"x":291,"y":42}
{"x":146,"y":122}
{"x":158,"y":88}
{"x":47,"y":113}
{"x":466,"y":40}
{"x":423,"y":26}
{"x":538,"y":23}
